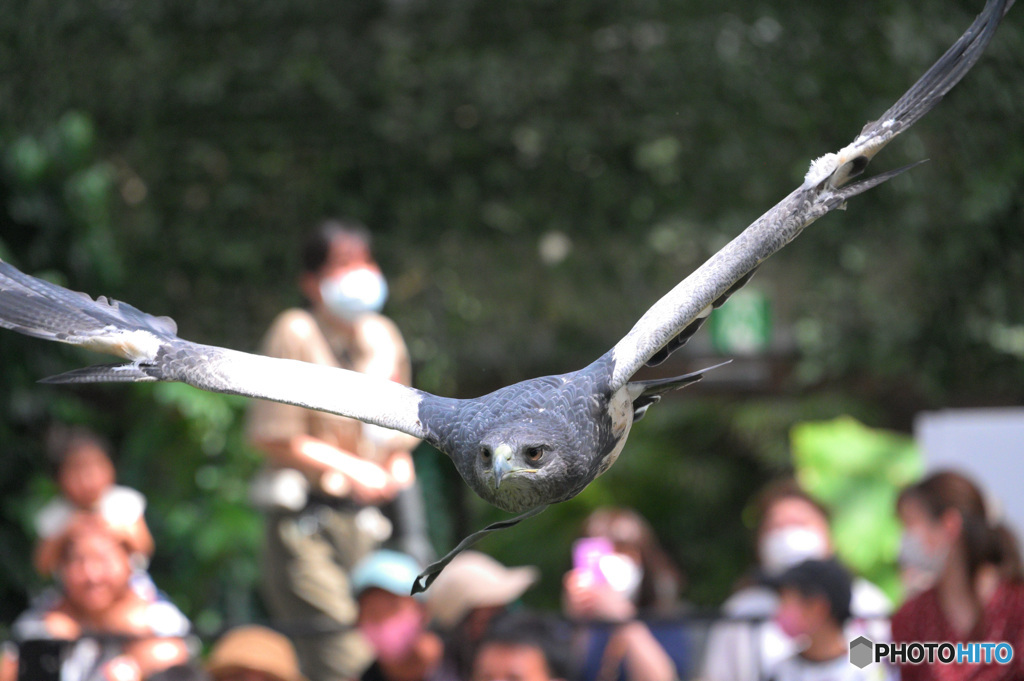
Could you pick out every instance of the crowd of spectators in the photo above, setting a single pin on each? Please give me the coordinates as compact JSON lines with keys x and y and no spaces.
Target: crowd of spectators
{"x":791,"y":528}
{"x":334,"y":491}
{"x":103,"y":619}
{"x":791,"y":618}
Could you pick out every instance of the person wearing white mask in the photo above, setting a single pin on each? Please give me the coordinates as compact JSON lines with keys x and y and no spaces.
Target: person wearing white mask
{"x":791,"y":528}
{"x":973,"y":566}
{"x":327,"y":476}
{"x":620,"y":576}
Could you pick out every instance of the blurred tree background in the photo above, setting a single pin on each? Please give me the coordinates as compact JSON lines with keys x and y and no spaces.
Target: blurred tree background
{"x":535,"y":174}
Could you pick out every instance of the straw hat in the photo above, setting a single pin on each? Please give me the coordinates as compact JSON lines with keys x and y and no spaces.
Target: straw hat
{"x":475,"y":580}
{"x":258,"y":649}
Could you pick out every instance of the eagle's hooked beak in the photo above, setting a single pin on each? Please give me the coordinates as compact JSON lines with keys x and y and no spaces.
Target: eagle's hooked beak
{"x":502,"y":463}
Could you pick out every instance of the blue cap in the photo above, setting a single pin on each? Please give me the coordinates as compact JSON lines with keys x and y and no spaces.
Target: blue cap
{"x":389,"y":570}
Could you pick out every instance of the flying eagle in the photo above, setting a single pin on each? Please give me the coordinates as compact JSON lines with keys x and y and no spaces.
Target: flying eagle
{"x":527,"y":445}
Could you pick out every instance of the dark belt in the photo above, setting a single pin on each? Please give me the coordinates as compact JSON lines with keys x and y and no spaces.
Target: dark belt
{"x":333,"y":502}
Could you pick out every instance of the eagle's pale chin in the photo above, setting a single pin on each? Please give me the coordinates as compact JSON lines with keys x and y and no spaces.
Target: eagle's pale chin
{"x":518,"y":493}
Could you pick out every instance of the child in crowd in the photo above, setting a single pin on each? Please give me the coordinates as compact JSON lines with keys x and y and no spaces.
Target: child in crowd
{"x":814,"y":605}
{"x":86,"y":478}
{"x":98,"y":626}
{"x":394,"y":622}
{"x":471,"y":592}
{"x":791,"y":527}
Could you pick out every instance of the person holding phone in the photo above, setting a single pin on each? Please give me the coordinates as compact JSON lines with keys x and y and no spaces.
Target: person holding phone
{"x":620,"y":575}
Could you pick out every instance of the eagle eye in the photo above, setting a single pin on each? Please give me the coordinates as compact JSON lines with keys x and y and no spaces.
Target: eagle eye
{"x":534,"y":454}
{"x":485,"y":453}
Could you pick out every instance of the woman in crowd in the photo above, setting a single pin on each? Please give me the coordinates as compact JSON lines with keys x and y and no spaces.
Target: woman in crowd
{"x":977,"y":592}
{"x":329,"y":477}
{"x":621,"y":573}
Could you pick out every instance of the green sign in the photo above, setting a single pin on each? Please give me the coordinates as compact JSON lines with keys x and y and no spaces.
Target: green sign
{"x":743,"y":326}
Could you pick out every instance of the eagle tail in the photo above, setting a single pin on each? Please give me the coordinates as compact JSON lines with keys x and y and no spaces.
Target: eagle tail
{"x":838,"y":197}
{"x":646,"y":393}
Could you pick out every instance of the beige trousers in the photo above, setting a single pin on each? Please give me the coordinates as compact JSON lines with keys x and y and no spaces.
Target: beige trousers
{"x":305,"y":574}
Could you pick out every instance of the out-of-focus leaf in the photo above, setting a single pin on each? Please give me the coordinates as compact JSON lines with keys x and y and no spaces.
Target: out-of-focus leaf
{"x":857,"y":472}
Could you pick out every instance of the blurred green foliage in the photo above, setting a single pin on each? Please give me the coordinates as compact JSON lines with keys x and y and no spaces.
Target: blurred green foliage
{"x":536,"y":174}
{"x":857,"y":473}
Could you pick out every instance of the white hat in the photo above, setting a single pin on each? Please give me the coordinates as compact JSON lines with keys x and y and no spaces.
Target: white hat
{"x":475,"y":580}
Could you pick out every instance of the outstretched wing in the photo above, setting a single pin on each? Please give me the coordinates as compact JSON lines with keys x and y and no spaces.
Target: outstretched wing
{"x":676,"y":316}
{"x":38,"y":308}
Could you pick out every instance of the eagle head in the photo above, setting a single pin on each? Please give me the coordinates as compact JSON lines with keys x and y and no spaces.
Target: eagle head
{"x":531,"y":444}
{"x":523,"y":463}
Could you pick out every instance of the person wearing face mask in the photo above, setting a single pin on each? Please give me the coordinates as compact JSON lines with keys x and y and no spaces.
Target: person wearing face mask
{"x":814,"y":606}
{"x":974,"y":568}
{"x":621,"y":582}
{"x":791,"y":527}
{"x":328,"y":476}
{"x":394,"y":622}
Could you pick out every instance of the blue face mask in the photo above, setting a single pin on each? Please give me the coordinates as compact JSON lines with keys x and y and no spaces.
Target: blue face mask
{"x":354,"y":293}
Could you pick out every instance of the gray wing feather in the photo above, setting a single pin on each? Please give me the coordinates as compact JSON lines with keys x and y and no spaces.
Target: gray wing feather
{"x":38,"y":308}
{"x":671,"y":320}
{"x":941,"y":77}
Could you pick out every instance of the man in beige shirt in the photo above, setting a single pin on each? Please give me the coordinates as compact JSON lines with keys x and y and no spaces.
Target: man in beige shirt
{"x":327,"y":474}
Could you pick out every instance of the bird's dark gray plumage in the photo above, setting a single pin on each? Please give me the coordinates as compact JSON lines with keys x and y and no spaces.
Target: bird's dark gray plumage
{"x":531,"y":444}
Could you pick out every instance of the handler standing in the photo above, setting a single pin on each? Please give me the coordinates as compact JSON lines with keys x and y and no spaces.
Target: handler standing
{"x":327,"y":475}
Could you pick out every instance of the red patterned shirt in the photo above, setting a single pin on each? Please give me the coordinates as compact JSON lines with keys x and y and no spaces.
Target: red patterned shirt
{"x":922,"y":619}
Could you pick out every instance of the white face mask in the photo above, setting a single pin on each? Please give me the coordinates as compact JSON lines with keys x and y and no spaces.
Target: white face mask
{"x":783,"y":548}
{"x":623,"y":574}
{"x":915,"y":554}
{"x":354,"y":293}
